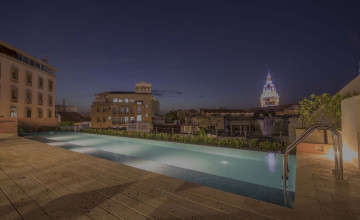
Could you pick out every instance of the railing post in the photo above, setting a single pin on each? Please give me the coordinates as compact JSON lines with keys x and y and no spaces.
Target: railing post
{"x":335,"y":147}
{"x":340,"y":160}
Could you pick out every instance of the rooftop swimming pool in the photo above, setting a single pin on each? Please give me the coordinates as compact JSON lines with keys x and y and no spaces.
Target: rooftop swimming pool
{"x":249,"y":173}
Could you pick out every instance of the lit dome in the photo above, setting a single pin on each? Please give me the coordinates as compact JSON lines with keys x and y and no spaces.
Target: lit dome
{"x":269,"y":97}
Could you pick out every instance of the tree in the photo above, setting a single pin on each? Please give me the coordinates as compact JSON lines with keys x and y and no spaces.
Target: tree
{"x":322,"y":109}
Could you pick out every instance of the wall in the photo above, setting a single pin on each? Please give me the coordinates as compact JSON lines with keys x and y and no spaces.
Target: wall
{"x":350,"y":117}
{"x":317,"y":137}
{"x":351,"y":87}
{"x":38,"y":122}
{"x":8,"y":127}
{"x":139,"y":127}
{"x":7,"y":64}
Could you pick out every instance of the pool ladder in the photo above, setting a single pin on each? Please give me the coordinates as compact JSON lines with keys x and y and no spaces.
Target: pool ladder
{"x":337,"y":142}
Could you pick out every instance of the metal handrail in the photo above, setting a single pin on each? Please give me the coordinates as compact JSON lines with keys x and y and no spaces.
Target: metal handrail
{"x":337,"y":148}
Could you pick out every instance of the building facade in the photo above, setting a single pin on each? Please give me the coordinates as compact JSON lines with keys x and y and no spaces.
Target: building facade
{"x":117,"y":108}
{"x":269,"y":97}
{"x":27,"y":88}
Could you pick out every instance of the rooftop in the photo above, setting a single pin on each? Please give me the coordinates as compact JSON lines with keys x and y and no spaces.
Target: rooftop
{"x":39,"y":181}
{"x":73,"y":116}
{"x":21,"y":56}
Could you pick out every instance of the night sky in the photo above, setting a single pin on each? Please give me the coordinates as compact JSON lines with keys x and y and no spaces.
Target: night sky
{"x":195,"y":53}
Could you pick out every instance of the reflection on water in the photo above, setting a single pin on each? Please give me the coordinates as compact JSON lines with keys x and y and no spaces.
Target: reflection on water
{"x":271,"y":162}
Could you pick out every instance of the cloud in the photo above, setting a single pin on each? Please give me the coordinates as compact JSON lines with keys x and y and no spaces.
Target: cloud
{"x":165,"y":93}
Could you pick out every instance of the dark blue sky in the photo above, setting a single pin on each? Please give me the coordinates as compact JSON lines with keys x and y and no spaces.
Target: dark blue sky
{"x":195,"y":53}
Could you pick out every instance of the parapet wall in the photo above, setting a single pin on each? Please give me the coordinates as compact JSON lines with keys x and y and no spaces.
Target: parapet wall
{"x":8,"y":127}
{"x":350,"y":123}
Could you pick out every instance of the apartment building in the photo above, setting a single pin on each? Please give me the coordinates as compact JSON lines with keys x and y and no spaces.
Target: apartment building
{"x":27,"y":88}
{"x":117,"y":108}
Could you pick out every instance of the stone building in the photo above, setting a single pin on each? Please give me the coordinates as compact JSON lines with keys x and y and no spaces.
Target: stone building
{"x":27,"y":88}
{"x":256,"y":122}
{"x":117,"y":108}
{"x":269,"y":97}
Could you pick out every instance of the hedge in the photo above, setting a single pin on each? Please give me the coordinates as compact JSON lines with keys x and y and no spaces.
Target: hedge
{"x":251,"y":144}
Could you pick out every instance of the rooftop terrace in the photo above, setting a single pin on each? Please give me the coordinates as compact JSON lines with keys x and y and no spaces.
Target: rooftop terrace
{"x":39,"y":181}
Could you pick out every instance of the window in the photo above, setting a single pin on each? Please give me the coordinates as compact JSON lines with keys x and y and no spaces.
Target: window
{"x":41,"y":83}
{"x":40,"y":99}
{"x":28,"y":112}
{"x":51,"y":85}
{"x":139,"y":109}
{"x":131,"y":100}
{"x":131,"y":118}
{"x":13,"y":112}
{"x":121,"y":110}
{"x":120,"y":100}
{"x":50,"y":100}
{"x":104,"y":109}
{"x":126,"y":100}
{"x":126,"y":119}
{"x":109,"y":118}
{"x":114,"y":120}
{"x":104,"y":119}
{"x":32,"y":62}
{"x":131,"y":111}
{"x":14,"y":94}
{"x":28,"y":96}
{"x":50,"y":114}
{"x":138,"y":103}
{"x":40,"y":113}
{"x":120,"y":120}
{"x":19,"y":57}
{"x":114,"y":110}
{"x":146,"y":106}
{"x":98,"y":109}
{"x":127,"y":110}
{"x":37,"y":65}
{"x":25,"y":59}
{"x":14,"y":75}
{"x":138,"y":118}
{"x":28,"y":79}
{"x":42,"y":67}
{"x":115,"y":100}
{"x":146,"y":115}
{"x":98,"y":119}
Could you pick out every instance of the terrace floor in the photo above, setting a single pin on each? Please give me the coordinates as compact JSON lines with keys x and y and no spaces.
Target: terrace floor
{"x":40,"y":181}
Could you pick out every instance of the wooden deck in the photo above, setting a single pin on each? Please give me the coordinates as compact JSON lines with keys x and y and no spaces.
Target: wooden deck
{"x":39,"y":181}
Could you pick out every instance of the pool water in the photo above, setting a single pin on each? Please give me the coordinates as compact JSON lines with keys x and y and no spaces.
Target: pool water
{"x":250,"y":173}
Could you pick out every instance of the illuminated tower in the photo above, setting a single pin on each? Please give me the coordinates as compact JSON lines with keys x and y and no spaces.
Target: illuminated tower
{"x":269,"y":96}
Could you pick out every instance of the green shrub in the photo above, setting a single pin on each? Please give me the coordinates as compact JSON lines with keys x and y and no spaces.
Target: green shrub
{"x":253,"y":144}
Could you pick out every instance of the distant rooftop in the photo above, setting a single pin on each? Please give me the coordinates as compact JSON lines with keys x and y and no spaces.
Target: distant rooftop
{"x":73,"y":116}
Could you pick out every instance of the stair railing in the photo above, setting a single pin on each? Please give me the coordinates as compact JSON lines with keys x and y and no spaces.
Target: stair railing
{"x":337,"y":142}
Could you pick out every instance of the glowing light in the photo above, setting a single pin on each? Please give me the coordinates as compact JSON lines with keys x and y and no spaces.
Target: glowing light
{"x":348,"y":154}
{"x":224,"y":162}
{"x":271,"y":162}
{"x":269,"y":97}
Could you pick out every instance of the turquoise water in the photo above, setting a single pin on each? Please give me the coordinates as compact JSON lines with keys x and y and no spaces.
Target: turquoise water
{"x":261,"y":168}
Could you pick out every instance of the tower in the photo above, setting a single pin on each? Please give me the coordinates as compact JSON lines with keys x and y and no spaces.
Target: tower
{"x":143,"y":87}
{"x":269,"y":96}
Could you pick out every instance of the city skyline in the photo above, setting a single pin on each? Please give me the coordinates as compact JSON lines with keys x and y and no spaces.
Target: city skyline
{"x":203,"y":54}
